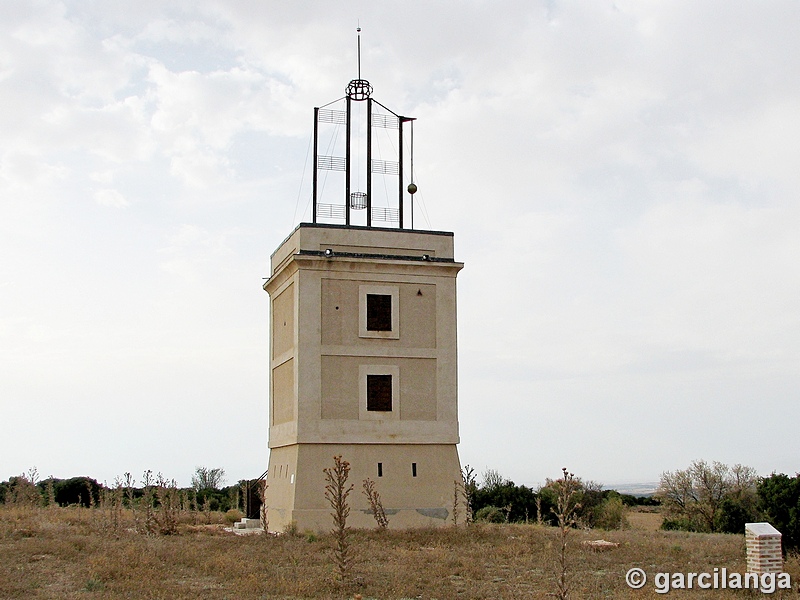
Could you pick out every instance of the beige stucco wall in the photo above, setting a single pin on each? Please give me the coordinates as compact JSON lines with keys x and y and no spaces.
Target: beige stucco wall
{"x":283,"y":399}
{"x":321,"y":353}
{"x":339,"y":315}
{"x":296,"y":490}
{"x":341,"y":393}
{"x":283,"y":310}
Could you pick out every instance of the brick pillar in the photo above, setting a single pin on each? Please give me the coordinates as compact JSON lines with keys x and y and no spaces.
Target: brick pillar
{"x":763,"y":548}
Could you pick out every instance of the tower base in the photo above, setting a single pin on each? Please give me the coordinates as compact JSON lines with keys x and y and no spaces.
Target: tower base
{"x":417,"y":484}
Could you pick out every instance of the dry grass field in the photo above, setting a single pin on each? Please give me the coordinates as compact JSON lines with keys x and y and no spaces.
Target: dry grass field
{"x":645,"y":518}
{"x":77,"y":553}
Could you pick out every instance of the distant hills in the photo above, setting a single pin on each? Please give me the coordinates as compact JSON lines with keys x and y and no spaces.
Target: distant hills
{"x":634,"y":489}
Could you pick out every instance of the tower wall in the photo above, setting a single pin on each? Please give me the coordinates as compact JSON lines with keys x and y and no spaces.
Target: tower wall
{"x":424,"y":500}
{"x":327,"y":360}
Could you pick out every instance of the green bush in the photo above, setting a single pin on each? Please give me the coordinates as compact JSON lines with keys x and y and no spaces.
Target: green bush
{"x":779,"y":496}
{"x":490,"y":514}
{"x":216,"y":499}
{"x":520,"y":498}
{"x":679,"y":524}
{"x":84,"y":491}
{"x":611,"y":514}
{"x":733,"y":514}
{"x":547,"y":499}
{"x":590,"y":504}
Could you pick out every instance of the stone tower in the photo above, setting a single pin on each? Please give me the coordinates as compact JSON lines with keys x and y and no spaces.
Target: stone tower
{"x":363,"y":348}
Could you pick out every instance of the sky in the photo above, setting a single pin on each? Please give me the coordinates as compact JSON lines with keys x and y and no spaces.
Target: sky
{"x":621,"y":178}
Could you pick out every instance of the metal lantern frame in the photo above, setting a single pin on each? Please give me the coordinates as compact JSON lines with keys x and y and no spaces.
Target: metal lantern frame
{"x":359,"y":90}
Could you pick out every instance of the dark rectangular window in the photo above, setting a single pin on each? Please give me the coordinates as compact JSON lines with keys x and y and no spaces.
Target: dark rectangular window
{"x":380,"y":469}
{"x":413,"y":469}
{"x":379,"y":392}
{"x":379,"y":312}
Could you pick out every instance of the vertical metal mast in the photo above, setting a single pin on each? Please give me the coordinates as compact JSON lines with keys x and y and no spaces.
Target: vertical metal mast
{"x":412,"y":175}
{"x":347,"y":162}
{"x":358,"y":90}
{"x":369,"y":139}
{"x":369,"y":159}
{"x":400,"y":121}
{"x":316,"y":163}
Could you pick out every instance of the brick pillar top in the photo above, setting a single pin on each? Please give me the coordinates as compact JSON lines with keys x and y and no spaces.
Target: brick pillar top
{"x":761,"y":530}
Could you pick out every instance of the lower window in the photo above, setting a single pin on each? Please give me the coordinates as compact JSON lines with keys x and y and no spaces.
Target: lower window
{"x":379,"y":393}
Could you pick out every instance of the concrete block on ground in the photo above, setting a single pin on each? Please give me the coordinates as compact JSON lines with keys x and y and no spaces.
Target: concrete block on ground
{"x":248,"y":524}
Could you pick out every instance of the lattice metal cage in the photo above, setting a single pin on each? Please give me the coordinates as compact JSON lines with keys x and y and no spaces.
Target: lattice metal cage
{"x":358,"y":89}
{"x":358,"y":201}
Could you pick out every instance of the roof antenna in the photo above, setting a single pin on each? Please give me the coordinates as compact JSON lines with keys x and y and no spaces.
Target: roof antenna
{"x":358,"y":31}
{"x":359,"y":89}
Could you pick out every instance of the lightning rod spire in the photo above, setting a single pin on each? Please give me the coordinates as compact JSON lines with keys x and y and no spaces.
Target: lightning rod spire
{"x":358,"y":31}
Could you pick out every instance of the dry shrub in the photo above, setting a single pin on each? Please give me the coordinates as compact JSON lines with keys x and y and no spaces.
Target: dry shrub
{"x":233,"y":515}
{"x":205,"y":507}
{"x":375,"y":504}
{"x":264,"y":509}
{"x":336,"y":493}
{"x":169,"y":505}
{"x":158,"y":511}
{"x":470,"y":486}
{"x":566,"y":510}
{"x":111,"y":507}
{"x":23,"y":490}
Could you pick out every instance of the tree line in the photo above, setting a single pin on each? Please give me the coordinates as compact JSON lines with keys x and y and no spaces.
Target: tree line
{"x":497,"y":499}
{"x":716,"y":498}
{"x":207,"y":491}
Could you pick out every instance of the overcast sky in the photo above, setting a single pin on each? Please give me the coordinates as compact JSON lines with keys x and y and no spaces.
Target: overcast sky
{"x":621,"y":177}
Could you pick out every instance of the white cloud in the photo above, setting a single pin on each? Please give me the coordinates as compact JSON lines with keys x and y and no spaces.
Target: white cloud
{"x":754,"y":147}
{"x":621,"y":178}
{"x":22,"y":171}
{"x":110,"y":198}
{"x":719,"y":278}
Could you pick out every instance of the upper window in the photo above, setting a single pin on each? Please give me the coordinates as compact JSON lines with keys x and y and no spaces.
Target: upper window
{"x":379,"y":312}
